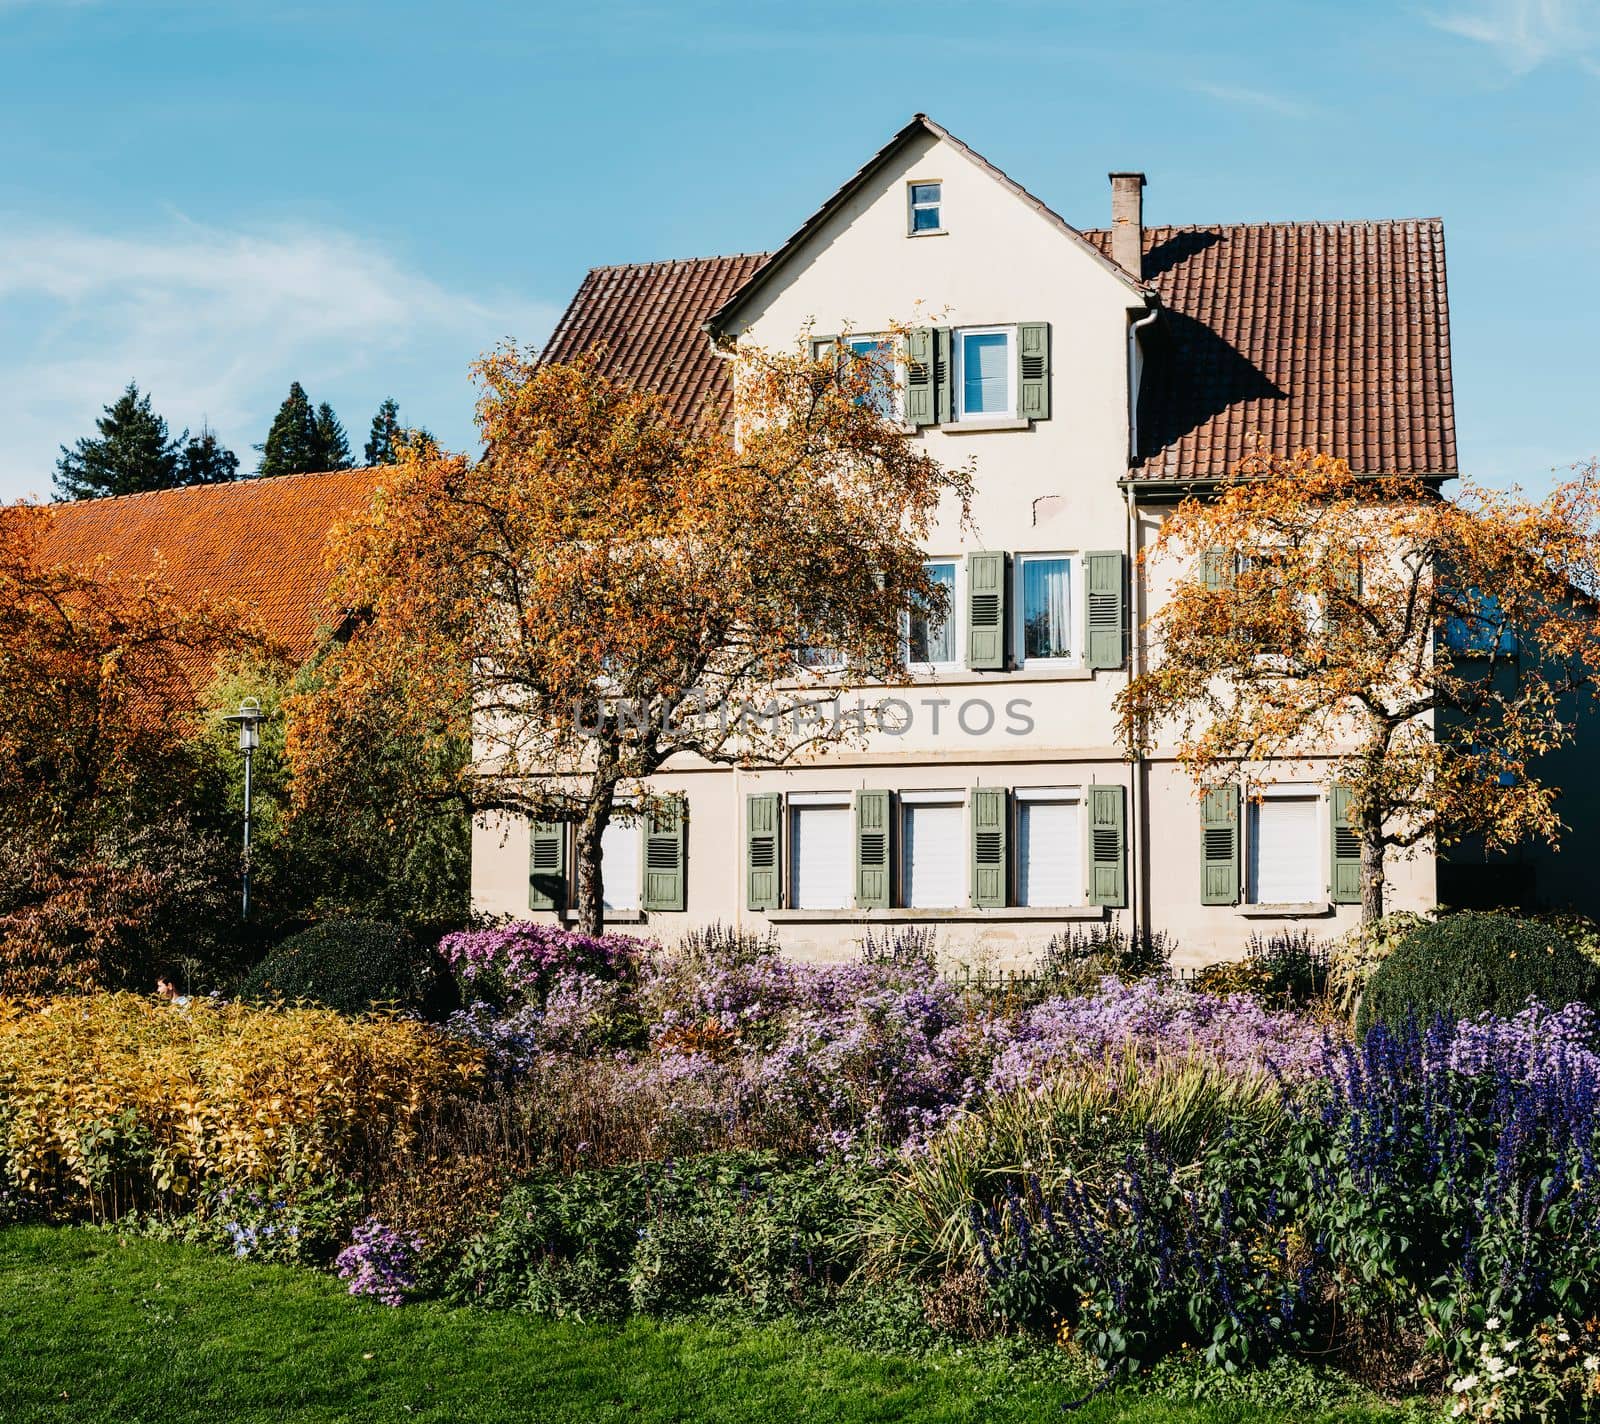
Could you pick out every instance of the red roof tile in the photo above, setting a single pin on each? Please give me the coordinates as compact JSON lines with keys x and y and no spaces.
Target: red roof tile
{"x":648,"y":318}
{"x":1332,"y":335}
{"x":259,"y":541}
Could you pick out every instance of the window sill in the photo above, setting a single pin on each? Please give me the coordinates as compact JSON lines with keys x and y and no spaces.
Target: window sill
{"x":981,"y":427}
{"x":931,"y":232}
{"x":1309,"y":910}
{"x":611,"y":917}
{"x":934,"y":916}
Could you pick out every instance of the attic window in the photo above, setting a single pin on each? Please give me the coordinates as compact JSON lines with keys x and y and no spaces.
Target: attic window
{"x":924,"y":199}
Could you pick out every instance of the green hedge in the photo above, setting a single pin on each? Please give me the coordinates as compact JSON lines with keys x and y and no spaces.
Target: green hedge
{"x":350,"y":965}
{"x":1467,"y":964}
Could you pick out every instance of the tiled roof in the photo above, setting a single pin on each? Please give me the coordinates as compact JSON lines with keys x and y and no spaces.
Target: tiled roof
{"x":259,"y":541}
{"x":649,"y":318}
{"x":1332,"y":335}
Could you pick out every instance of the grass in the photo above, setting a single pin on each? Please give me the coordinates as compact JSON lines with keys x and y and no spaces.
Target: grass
{"x":98,"y":1327}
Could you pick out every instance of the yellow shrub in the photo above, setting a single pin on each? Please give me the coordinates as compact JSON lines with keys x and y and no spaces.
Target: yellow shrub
{"x":108,"y":1099}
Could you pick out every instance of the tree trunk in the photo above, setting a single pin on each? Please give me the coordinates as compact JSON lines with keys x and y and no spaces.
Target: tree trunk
{"x":591,"y":827}
{"x":1372,"y":852}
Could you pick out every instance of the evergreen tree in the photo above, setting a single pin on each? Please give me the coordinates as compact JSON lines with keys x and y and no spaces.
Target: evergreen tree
{"x":207,"y":461}
{"x":291,"y":446}
{"x":134,"y":453}
{"x":333,"y":448}
{"x":382,"y":443}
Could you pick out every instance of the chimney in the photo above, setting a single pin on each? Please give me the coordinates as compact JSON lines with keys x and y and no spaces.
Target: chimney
{"x":1127,"y":222}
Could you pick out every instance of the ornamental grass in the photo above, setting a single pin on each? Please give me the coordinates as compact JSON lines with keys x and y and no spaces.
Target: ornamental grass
{"x":115,"y":1101}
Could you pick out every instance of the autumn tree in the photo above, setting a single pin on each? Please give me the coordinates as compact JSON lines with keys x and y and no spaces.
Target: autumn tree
{"x":99,"y":675}
{"x":1426,"y":652}
{"x":609,"y":588}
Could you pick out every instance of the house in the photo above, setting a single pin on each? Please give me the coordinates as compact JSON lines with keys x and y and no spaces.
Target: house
{"x":1096,"y":376}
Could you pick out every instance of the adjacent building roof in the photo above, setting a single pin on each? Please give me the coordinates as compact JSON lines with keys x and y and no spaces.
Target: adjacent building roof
{"x":259,"y":541}
{"x":1329,"y":335}
{"x":648,"y":320}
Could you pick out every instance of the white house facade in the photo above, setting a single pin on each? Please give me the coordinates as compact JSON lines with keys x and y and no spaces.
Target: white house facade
{"x":1093,"y":377}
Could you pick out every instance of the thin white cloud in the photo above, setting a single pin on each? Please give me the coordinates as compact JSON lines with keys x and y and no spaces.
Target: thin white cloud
{"x":1526,"y":34}
{"x":215,"y":323}
{"x":1246,"y":98}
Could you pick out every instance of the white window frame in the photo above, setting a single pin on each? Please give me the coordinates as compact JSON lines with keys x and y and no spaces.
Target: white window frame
{"x":958,"y":340}
{"x":908,"y":802}
{"x":793,"y":803}
{"x":897,"y":391}
{"x":1019,"y":618}
{"x":1058,"y":796}
{"x":953,"y":619}
{"x":1287,"y":791}
{"x":913,"y":207}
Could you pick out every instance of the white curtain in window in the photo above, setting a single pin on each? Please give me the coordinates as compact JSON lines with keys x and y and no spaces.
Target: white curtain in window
{"x":1286,"y":854}
{"x":821,"y":863}
{"x":1049,"y":853}
{"x":619,"y":866}
{"x":1046,"y":608}
{"x":933,"y":856}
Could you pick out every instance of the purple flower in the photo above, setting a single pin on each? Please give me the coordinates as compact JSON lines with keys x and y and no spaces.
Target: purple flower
{"x":380,"y":1262}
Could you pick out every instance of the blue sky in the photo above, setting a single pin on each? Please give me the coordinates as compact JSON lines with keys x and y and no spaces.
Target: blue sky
{"x":216,"y":198}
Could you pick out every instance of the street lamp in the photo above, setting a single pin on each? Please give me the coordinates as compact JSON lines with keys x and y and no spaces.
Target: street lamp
{"x":249,"y":717}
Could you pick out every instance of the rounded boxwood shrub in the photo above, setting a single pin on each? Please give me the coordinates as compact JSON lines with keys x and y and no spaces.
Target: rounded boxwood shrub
{"x":1468,"y":964}
{"x":350,"y":965}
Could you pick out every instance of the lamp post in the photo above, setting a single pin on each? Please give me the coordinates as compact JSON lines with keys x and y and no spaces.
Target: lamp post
{"x":249,"y":717}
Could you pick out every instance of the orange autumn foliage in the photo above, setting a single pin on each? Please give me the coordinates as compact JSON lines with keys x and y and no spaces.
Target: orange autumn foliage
{"x":99,"y":679}
{"x":1435,"y":648}
{"x":606,"y":587}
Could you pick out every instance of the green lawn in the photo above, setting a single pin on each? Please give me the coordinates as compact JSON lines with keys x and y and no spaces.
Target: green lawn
{"x":96,"y":1327}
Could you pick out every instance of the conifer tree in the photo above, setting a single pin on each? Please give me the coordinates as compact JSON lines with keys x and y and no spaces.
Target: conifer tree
{"x":291,"y":446}
{"x":333,"y":447}
{"x":134,"y":452}
{"x":384,"y":437}
{"x":206,"y":460}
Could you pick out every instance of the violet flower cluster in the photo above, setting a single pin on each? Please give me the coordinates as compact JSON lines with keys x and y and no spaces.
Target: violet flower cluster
{"x":520,"y":960}
{"x":380,"y":1262}
{"x":1154,"y":1017}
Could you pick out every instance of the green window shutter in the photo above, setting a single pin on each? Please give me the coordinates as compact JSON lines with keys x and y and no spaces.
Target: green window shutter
{"x":1216,"y":568}
{"x":989,"y":857}
{"x":1108,"y":869}
{"x":1345,"y":850}
{"x":919,"y":376}
{"x":1033,"y":370}
{"x":665,"y":883}
{"x":763,"y":846}
{"x":1102,"y":609}
{"x":547,"y":865}
{"x":943,"y":380}
{"x":986,"y":611}
{"x":872,"y":850}
{"x":1219,"y":846}
{"x":1347,"y":578}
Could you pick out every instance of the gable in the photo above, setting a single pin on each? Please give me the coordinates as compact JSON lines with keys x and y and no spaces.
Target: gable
{"x":856,"y":245}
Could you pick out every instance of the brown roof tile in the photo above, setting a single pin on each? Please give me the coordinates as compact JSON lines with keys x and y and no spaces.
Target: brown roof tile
{"x":1329,"y":335}
{"x":259,"y":541}
{"x":648,"y":318}
{"x":1332,"y":335}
